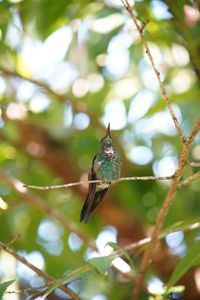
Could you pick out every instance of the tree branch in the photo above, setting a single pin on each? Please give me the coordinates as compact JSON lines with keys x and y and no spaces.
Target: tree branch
{"x":182,"y":162}
{"x":189,"y":179}
{"x":41,"y":84}
{"x":157,"y":73}
{"x":39,"y":272}
{"x":67,"y":185}
{"x":193,"y":164}
{"x":164,"y":209}
{"x":147,"y":240}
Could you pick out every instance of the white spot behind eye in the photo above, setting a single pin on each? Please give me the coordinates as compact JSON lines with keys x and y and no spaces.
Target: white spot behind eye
{"x":109,"y":151}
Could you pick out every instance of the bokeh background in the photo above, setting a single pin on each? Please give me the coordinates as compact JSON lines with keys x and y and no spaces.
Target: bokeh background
{"x":67,"y":68}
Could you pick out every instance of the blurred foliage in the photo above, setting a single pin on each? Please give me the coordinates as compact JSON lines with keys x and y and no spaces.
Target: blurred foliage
{"x":66,"y":69}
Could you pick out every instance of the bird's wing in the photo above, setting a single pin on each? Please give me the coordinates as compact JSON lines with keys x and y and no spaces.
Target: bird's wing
{"x":99,"y":196}
{"x":91,"y":192}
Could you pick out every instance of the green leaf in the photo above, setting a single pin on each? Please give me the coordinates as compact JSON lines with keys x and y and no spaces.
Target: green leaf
{"x":186,"y":263}
{"x":176,"y":289}
{"x":122,"y":251}
{"x":67,"y":277}
{"x":101,"y":264}
{"x":4,"y":286}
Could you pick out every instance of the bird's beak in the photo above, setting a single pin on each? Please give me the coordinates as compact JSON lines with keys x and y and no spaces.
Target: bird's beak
{"x":108,"y":131}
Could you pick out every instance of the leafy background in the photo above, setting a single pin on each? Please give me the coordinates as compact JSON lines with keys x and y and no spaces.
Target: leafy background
{"x":66,"y":70}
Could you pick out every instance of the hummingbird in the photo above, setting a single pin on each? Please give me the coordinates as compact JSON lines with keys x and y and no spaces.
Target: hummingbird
{"x":105,"y":167}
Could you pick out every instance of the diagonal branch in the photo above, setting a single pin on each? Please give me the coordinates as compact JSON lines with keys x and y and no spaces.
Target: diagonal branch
{"x":157,"y":73}
{"x":189,"y":179}
{"x":39,"y":272}
{"x":147,"y":240}
{"x":165,"y":208}
{"x":41,"y":205}
{"x":41,"y":84}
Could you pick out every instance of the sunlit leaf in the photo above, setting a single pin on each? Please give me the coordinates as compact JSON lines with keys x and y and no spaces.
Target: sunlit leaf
{"x":101,"y":264}
{"x":4,"y":286}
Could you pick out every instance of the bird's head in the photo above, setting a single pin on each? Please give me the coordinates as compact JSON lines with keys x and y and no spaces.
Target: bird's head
{"x":106,"y":141}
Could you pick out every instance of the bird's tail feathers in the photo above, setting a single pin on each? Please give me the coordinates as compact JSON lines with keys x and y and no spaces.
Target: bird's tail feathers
{"x":85,"y":213}
{"x":91,"y":204}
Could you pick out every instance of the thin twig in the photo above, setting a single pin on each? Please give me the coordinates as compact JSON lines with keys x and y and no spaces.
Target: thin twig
{"x":60,"y":186}
{"x":193,"y":164}
{"x":145,"y":178}
{"x":14,"y":239}
{"x":67,"y":185}
{"x":189,"y":179}
{"x":148,"y":52}
{"x":138,"y":178}
{"x":164,"y":209}
{"x":147,"y":240}
{"x":39,"y":272}
{"x":22,"y":291}
{"x":194,"y":132}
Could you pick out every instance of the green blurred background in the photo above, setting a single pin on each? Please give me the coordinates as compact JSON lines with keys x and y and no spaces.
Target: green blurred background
{"x":67,"y":68}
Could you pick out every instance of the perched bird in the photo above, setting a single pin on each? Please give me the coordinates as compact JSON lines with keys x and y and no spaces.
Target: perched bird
{"x":105,"y":167}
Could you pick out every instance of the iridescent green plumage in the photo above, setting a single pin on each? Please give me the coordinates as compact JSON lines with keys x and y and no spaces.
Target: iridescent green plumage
{"x":105,"y":167}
